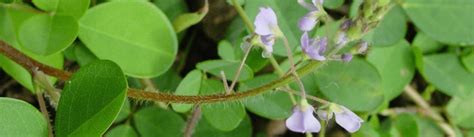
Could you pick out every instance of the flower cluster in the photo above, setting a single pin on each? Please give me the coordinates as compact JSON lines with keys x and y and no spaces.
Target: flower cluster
{"x":267,"y":31}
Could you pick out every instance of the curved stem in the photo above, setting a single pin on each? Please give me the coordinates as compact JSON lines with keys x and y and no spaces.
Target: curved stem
{"x":244,"y":16}
{"x":242,"y":63}
{"x":292,"y":66}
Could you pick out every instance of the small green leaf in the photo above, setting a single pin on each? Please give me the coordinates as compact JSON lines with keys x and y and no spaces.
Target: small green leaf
{"x":124,"y":112}
{"x":141,"y":51}
{"x":172,"y":8}
{"x":356,"y":84}
{"x":91,"y":100}
{"x":45,"y":35}
{"x":226,"y":51}
{"x":446,"y":21}
{"x":228,"y":67}
{"x":153,"y":121}
{"x":186,"y":20}
{"x":84,"y":55}
{"x":395,"y":65}
{"x":468,"y":62}
{"x":447,"y":74}
{"x":224,"y":116}
{"x":124,"y":130}
{"x":425,"y":43}
{"x":205,"y":129}
{"x":461,"y":112}
{"x":167,"y":82}
{"x":75,"y":8}
{"x":275,"y":105}
{"x":405,"y":125}
{"x":190,"y":85}
{"x":390,"y":30}
{"x":19,"y":118}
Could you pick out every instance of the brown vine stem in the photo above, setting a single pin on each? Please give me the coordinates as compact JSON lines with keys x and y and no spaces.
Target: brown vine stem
{"x":416,"y":97}
{"x":192,"y":121}
{"x":42,"y":104}
{"x":31,"y":64}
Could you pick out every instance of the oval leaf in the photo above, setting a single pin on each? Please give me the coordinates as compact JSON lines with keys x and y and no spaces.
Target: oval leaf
{"x":45,"y":35}
{"x":356,"y":84}
{"x":204,"y":129}
{"x":154,"y":121}
{"x":447,"y":74}
{"x":446,"y":21}
{"x":75,"y":8}
{"x":136,"y":35}
{"x":391,"y":29}
{"x":395,"y":65}
{"x":19,"y":118}
{"x":91,"y":100}
{"x":124,"y":130}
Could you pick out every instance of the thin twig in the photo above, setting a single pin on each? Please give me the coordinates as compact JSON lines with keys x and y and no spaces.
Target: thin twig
{"x":292,"y":66}
{"x":40,"y":98}
{"x":192,"y":121}
{"x":281,"y":74}
{"x":242,"y":63}
{"x":291,"y":91}
{"x":416,"y":97}
{"x":226,"y":85}
{"x":243,"y":15}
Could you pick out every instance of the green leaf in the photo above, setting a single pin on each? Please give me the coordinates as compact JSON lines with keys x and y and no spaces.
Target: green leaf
{"x":190,"y":85}
{"x":391,"y":29}
{"x":226,"y":51}
{"x":84,"y":55}
{"x":447,"y":74}
{"x":224,"y":116}
{"x":91,"y":100}
{"x":356,"y":84}
{"x":11,"y":18}
{"x":274,"y":105}
{"x":468,"y":62}
{"x":172,"y":8}
{"x":153,"y":121}
{"x":461,"y":112}
{"x":205,"y":129}
{"x":124,"y":112}
{"x":287,"y":21}
{"x":395,"y":65}
{"x":143,"y":41}
{"x":425,"y":43}
{"x":405,"y":125}
{"x":167,"y":82}
{"x":446,"y":21}
{"x":428,"y":128}
{"x":186,"y":20}
{"x":333,"y":4}
{"x":18,"y":118}
{"x":228,"y":67}
{"x":45,"y":35}
{"x":124,"y":130}
{"x":74,"y":8}
{"x":366,"y":131}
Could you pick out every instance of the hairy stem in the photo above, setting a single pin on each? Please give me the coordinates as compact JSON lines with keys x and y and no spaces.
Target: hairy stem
{"x":292,"y":66}
{"x":416,"y":97}
{"x":42,"y":104}
{"x":281,"y":74}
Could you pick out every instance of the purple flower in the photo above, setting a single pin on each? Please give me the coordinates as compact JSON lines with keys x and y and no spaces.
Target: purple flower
{"x":346,"y":57}
{"x":314,"y":48}
{"x":307,"y":22}
{"x":266,"y":26}
{"x":344,"y":117}
{"x":302,"y":120}
{"x":342,"y":39}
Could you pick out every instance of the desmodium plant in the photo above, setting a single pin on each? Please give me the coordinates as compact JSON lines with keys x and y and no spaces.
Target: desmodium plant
{"x":283,"y":68}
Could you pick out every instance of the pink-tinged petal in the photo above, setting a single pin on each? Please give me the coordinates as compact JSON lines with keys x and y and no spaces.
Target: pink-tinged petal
{"x":305,"y":40}
{"x":307,"y":22}
{"x":313,"y":48}
{"x":311,"y":124}
{"x":317,"y":2}
{"x":306,"y":5}
{"x":348,"y":120}
{"x":295,"y":121}
{"x":265,"y":21}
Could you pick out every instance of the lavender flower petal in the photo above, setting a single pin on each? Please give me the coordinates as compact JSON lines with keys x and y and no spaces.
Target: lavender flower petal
{"x":308,"y":6}
{"x":307,"y":22}
{"x":324,"y":114}
{"x":317,"y":2}
{"x":303,"y":120}
{"x":312,"y":48}
{"x":348,"y":120}
{"x":265,"y":21}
